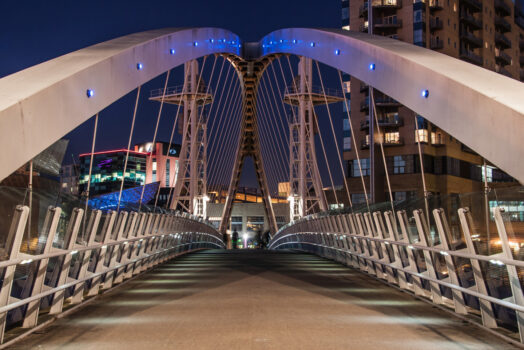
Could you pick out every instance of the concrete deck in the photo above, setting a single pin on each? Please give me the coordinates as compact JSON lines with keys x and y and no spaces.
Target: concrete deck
{"x":258,"y":300}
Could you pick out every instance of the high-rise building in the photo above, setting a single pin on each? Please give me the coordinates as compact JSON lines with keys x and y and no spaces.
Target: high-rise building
{"x":486,"y":33}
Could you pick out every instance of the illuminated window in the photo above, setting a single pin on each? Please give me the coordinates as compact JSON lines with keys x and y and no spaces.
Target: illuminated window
{"x":392,"y":137}
{"x":347,"y":143}
{"x":421,"y":135}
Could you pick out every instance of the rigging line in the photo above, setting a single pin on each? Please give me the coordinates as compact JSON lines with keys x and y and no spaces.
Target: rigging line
{"x":89,"y":178}
{"x":312,"y":133}
{"x":354,"y":143}
{"x":128,"y":147}
{"x":333,"y":132}
{"x":281,"y":97}
{"x":422,"y":173}
{"x":381,"y":143}
{"x":222,"y":131}
{"x":277,"y":147}
{"x":284,"y":78}
{"x":319,"y":133}
{"x":227,"y":106}
{"x":221,"y":96}
{"x":154,"y":135}
{"x":266,"y":149}
{"x":220,"y":168}
{"x":229,"y":143}
{"x":186,"y":128}
{"x":271,"y":122}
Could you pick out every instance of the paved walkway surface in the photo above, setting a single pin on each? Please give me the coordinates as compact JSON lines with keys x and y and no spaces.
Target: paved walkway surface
{"x":258,"y":300}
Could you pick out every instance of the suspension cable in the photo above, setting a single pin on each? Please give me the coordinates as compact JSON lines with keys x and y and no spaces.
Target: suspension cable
{"x":154,"y":136}
{"x":128,"y":147}
{"x":422,"y":169}
{"x":374,"y":118}
{"x":333,"y":132}
{"x":89,"y":178}
{"x":354,"y":143}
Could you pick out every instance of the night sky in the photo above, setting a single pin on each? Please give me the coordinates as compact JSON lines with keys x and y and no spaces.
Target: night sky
{"x":33,"y":31}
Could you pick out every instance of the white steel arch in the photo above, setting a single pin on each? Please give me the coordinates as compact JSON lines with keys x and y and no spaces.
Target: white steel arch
{"x":484,"y":110}
{"x":41,"y":104}
{"x":481,"y":108}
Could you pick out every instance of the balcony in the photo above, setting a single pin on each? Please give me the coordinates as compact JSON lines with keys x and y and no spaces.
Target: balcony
{"x":386,"y":101}
{"x":503,"y":71}
{"x":470,"y":56}
{"x":471,"y":39}
{"x":502,"y":58}
{"x":364,"y":105}
{"x":436,"y":5}
{"x":363,"y":10}
{"x":502,"y":41}
{"x":385,"y":4}
{"x":364,"y":144}
{"x":383,"y":121}
{"x":502,"y":8}
{"x":473,"y":5}
{"x":387,"y":23}
{"x":470,"y":20}
{"x":502,"y":25}
{"x":435,"y":24}
{"x":436,"y":44}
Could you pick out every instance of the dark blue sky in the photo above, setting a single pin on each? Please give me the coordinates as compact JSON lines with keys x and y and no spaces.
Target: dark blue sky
{"x":34,"y":31}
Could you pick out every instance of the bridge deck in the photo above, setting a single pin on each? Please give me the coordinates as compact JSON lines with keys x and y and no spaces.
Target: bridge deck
{"x":258,"y":300}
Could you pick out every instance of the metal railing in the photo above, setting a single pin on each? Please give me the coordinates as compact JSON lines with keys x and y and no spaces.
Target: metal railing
{"x":73,"y":256}
{"x":175,"y":90}
{"x":467,"y":259}
{"x":315,"y":90}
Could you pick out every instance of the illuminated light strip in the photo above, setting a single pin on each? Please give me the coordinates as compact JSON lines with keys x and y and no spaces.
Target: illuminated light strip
{"x":113,"y":151}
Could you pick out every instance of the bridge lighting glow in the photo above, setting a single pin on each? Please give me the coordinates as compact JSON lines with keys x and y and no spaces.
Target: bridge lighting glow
{"x":337,"y":52}
{"x":211,"y":40}
{"x":372,"y":66}
{"x":444,"y":253}
{"x":172,"y":51}
{"x":312,"y":44}
{"x":90,"y":93}
{"x":139,"y":66}
{"x":294,"y":41}
{"x":425,"y":93}
{"x":281,"y":41}
{"x":233,"y":42}
{"x":195,"y":43}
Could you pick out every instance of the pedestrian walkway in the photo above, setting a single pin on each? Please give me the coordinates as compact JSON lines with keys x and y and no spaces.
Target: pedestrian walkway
{"x":258,"y":300}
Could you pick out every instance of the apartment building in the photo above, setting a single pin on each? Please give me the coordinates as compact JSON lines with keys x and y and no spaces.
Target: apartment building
{"x":488,"y":33}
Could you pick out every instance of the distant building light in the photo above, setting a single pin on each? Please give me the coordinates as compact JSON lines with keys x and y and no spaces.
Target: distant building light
{"x":372,"y":66}
{"x":90,"y":93}
{"x":139,"y":66}
{"x":425,"y":93}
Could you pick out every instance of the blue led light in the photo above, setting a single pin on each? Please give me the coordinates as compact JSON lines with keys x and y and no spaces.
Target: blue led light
{"x":195,"y":43}
{"x":425,"y":93}
{"x":337,"y":52}
{"x":312,"y":44}
{"x":211,"y":40}
{"x":90,"y":93}
{"x":172,"y":51}
{"x":372,"y":66}
{"x":281,"y":41}
{"x":233,"y":42}
{"x":139,"y":66}
{"x":294,"y":41}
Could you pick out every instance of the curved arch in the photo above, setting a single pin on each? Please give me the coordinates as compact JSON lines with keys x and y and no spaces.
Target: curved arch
{"x":483,"y":109}
{"x":41,"y":104}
